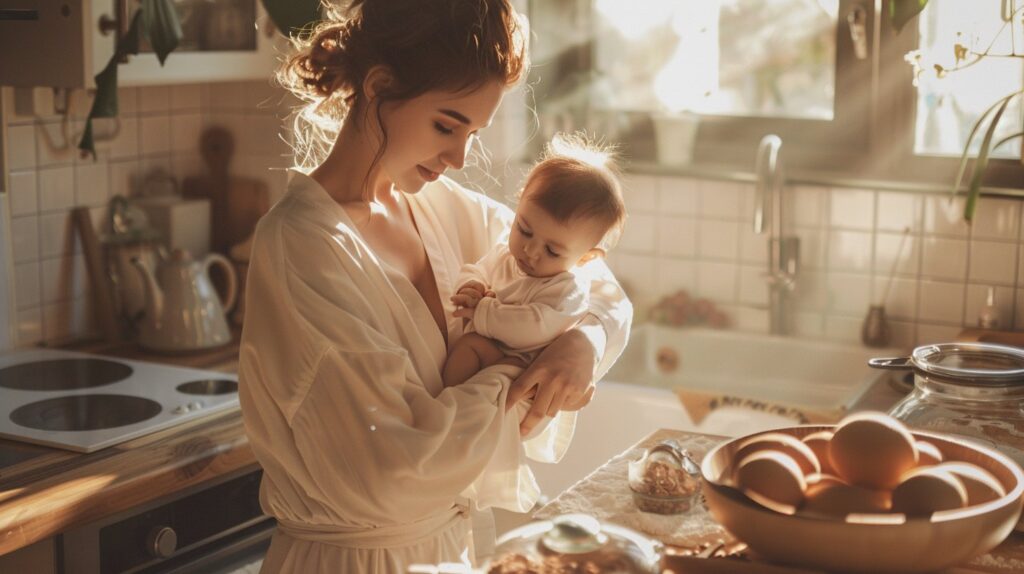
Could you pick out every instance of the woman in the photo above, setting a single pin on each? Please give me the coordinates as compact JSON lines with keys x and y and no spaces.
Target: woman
{"x":369,"y":463}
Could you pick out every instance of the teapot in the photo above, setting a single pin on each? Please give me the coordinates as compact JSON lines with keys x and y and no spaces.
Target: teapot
{"x":183,"y":310}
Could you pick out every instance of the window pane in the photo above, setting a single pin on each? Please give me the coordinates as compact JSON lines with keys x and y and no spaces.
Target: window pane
{"x":949,"y":104}
{"x":723,"y":57}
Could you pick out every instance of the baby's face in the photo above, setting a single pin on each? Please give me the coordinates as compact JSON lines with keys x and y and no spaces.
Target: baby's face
{"x":543,"y":246}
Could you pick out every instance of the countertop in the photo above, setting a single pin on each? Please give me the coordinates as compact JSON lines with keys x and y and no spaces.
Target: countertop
{"x":603,"y":494}
{"x":51,"y":490}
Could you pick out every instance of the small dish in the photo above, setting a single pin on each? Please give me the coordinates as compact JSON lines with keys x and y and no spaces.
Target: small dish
{"x":665,"y":479}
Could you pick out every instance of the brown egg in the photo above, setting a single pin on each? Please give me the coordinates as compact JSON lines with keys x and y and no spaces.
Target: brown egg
{"x":822,"y":479}
{"x":927,"y":453}
{"x":872,"y":450}
{"x":818,"y":443}
{"x":772,"y":475}
{"x":836,"y":499}
{"x":928,"y":489}
{"x":981,"y":485}
{"x":788,"y":444}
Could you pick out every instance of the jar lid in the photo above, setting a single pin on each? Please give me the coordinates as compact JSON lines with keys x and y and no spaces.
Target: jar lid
{"x":981,"y":362}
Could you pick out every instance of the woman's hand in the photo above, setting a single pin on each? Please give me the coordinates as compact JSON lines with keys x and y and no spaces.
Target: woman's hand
{"x":562,"y":377}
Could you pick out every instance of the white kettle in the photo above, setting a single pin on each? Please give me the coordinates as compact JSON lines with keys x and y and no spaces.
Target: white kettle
{"x":183,"y":310}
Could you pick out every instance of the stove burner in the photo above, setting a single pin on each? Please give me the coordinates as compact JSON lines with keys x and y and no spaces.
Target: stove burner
{"x":85,"y":412}
{"x":63,"y":374}
{"x":208,"y":387}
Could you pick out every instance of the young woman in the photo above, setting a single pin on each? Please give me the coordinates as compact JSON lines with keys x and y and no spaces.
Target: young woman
{"x":370,"y":464}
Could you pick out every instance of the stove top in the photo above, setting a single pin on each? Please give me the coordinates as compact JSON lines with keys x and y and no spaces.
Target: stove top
{"x":84,"y":402}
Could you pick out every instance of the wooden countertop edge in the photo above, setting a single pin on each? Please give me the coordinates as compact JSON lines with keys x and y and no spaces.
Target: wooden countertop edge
{"x":37,"y":503}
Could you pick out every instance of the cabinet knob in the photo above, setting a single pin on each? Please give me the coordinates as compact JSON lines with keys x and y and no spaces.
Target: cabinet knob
{"x":161,"y":542}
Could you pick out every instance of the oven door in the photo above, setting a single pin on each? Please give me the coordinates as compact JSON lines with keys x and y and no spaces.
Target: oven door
{"x":241,"y":553}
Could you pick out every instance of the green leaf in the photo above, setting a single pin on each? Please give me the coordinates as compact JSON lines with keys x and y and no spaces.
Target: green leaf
{"x":982,"y":162}
{"x":902,"y":11}
{"x":163,"y":30}
{"x":1008,"y":138}
{"x":962,"y":169}
{"x":292,"y":15}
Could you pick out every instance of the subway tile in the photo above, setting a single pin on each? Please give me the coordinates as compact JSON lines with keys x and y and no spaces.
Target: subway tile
{"x":944,"y":215}
{"x":843,"y":329}
{"x":56,"y":235}
{"x":125,"y":178}
{"x":54,"y":147}
{"x":24,"y":193}
{"x":25,"y":238}
{"x":127,"y":101}
{"x":1018,"y":323}
{"x":809,"y":291}
{"x":996,"y":218}
{"x":637,"y":274}
{"x":155,"y":134}
{"x":900,"y":301}
{"x":30,"y":326}
{"x":809,"y":205}
{"x":899,"y":211}
{"x":677,"y":236}
{"x":676,"y":274}
{"x":930,"y":334}
{"x":977,"y":297}
{"x":21,"y":152}
{"x":849,"y":250}
{"x":941,"y":302}
{"x":720,"y":199}
{"x":890,"y":247}
{"x":718,"y":239}
{"x":848,"y":293}
{"x":26,"y":285}
{"x":753,"y":246}
{"x":640,"y":234}
{"x":852,"y":208}
{"x":56,"y":189}
{"x":154,"y":100}
{"x":808,"y":325}
{"x":944,"y":258}
{"x":812,"y":248}
{"x":993,"y":262}
{"x":902,"y":335}
{"x":185,"y":131}
{"x":186,"y":97}
{"x":747,"y":319}
{"x":126,"y":144}
{"x":753,"y":286}
{"x":92,"y":184}
{"x":717,"y":281}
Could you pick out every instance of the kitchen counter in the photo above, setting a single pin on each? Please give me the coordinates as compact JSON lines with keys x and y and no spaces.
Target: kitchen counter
{"x":605,"y":495}
{"x":45,"y":491}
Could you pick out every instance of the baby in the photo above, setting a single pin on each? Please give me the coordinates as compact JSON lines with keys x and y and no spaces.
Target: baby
{"x":522,"y":295}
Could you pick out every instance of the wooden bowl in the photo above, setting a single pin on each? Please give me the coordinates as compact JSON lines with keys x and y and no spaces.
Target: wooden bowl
{"x":869,"y":542}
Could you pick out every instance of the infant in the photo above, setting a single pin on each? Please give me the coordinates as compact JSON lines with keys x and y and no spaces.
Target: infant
{"x":522,"y":295}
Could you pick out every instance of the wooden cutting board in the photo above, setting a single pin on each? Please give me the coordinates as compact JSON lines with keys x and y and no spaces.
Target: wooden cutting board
{"x":236,"y":203}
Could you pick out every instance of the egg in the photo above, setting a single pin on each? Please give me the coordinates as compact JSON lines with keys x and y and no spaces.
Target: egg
{"x":872,"y":450}
{"x":981,"y":485}
{"x":928,"y":454}
{"x":788,"y":444}
{"x":822,"y":479}
{"x":771,"y":475}
{"x":837,"y":499}
{"x":928,"y":489}
{"x":818,"y":443}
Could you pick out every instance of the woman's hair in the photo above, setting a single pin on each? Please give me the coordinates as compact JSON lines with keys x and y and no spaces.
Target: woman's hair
{"x":427,"y":45}
{"x":577,"y":179}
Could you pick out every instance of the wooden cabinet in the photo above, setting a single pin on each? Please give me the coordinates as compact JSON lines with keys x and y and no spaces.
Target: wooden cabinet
{"x":38,"y":558}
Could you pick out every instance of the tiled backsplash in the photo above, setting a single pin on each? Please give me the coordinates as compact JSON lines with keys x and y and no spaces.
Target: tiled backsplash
{"x":159,"y":129}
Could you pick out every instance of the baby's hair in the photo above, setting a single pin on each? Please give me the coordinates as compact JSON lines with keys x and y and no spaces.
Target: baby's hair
{"x":578,"y":179}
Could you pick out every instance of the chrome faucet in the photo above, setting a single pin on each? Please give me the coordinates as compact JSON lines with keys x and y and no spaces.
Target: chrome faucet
{"x":783,"y":251}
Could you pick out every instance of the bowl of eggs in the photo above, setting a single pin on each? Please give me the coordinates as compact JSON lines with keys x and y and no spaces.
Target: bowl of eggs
{"x":865,"y":495}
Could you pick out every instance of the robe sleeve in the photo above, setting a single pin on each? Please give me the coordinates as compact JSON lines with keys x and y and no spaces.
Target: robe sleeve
{"x":554,"y":309}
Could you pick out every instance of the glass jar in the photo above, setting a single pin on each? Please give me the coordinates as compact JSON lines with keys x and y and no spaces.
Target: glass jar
{"x":974,"y":390}
{"x":665,"y":479}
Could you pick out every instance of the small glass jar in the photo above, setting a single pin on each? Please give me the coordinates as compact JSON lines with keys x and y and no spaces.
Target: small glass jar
{"x":665,"y":479}
{"x":974,"y":390}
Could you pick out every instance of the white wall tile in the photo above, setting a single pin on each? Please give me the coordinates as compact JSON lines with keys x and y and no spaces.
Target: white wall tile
{"x":53,"y":146}
{"x":993,"y":262}
{"x":718,"y":239}
{"x":977,"y":296}
{"x":127,"y":101}
{"x":154,"y":99}
{"x":753,"y":286}
{"x":843,"y":329}
{"x":21,"y":147}
{"x":996,"y":218}
{"x":747,"y":319}
{"x":637,"y":273}
{"x":944,"y":258}
{"x":677,"y":196}
{"x":941,"y":302}
{"x":92,"y":184}
{"x":677,"y":236}
{"x":808,"y":325}
{"x":56,"y":234}
{"x":186,"y":97}
{"x":897,"y":211}
{"x":185,"y":130}
{"x":810,"y":292}
{"x":56,"y":189}
{"x":901,"y":300}
{"x":850,"y":251}
{"x":155,"y":134}
{"x":25,"y":238}
{"x":852,"y":208}
{"x":809,"y":205}
{"x":889,"y":246}
{"x":676,"y":274}
{"x":812,"y":247}
{"x":640,"y":192}
{"x":848,"y":293}
{"x":717,"y":281}
{"x":1018,"y":323}
{"x":125,"y":178}
{"x":753,"y":246}
{"x":126,"y":144}
{"x":929,"y":334}
{"x":24,"y":193}
{"x":902,"y":335}
{"x":944,"y":215}
{"x":26,"y":284}
{"x":30,"y":326}
{"x":720,"y":199}
{"x":640,"y":234}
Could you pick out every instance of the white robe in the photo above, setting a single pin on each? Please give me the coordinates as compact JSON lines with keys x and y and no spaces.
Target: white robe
{"x":367,"y":458}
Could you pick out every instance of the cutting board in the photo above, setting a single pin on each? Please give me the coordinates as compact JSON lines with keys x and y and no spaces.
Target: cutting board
{"x":236,"y":203}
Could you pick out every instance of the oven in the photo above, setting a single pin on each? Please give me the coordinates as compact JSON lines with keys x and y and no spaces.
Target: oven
{"x":217,"y":527}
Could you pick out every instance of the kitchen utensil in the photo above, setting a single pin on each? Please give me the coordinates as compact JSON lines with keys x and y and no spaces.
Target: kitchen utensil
{"x":575,"y":542}
{"x":102,"y":288}
{"x":869,"y":542}
{"x":183,"y":310}
{"x":975,"y":390}
{"x":236,"y":203}
{"x":875,"y":330}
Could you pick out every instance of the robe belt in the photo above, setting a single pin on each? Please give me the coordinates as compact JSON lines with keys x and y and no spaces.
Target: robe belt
{"x":392,"y":535}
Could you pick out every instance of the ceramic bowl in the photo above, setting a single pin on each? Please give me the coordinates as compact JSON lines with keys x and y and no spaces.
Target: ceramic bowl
{"x":869,"y":542}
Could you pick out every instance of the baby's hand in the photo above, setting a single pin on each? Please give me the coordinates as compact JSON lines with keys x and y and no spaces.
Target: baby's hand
{"x":470,"y":294}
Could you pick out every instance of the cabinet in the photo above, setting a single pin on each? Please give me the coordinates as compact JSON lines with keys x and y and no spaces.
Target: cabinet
{"x":65,"y":43}
{"x":38,"y":558}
